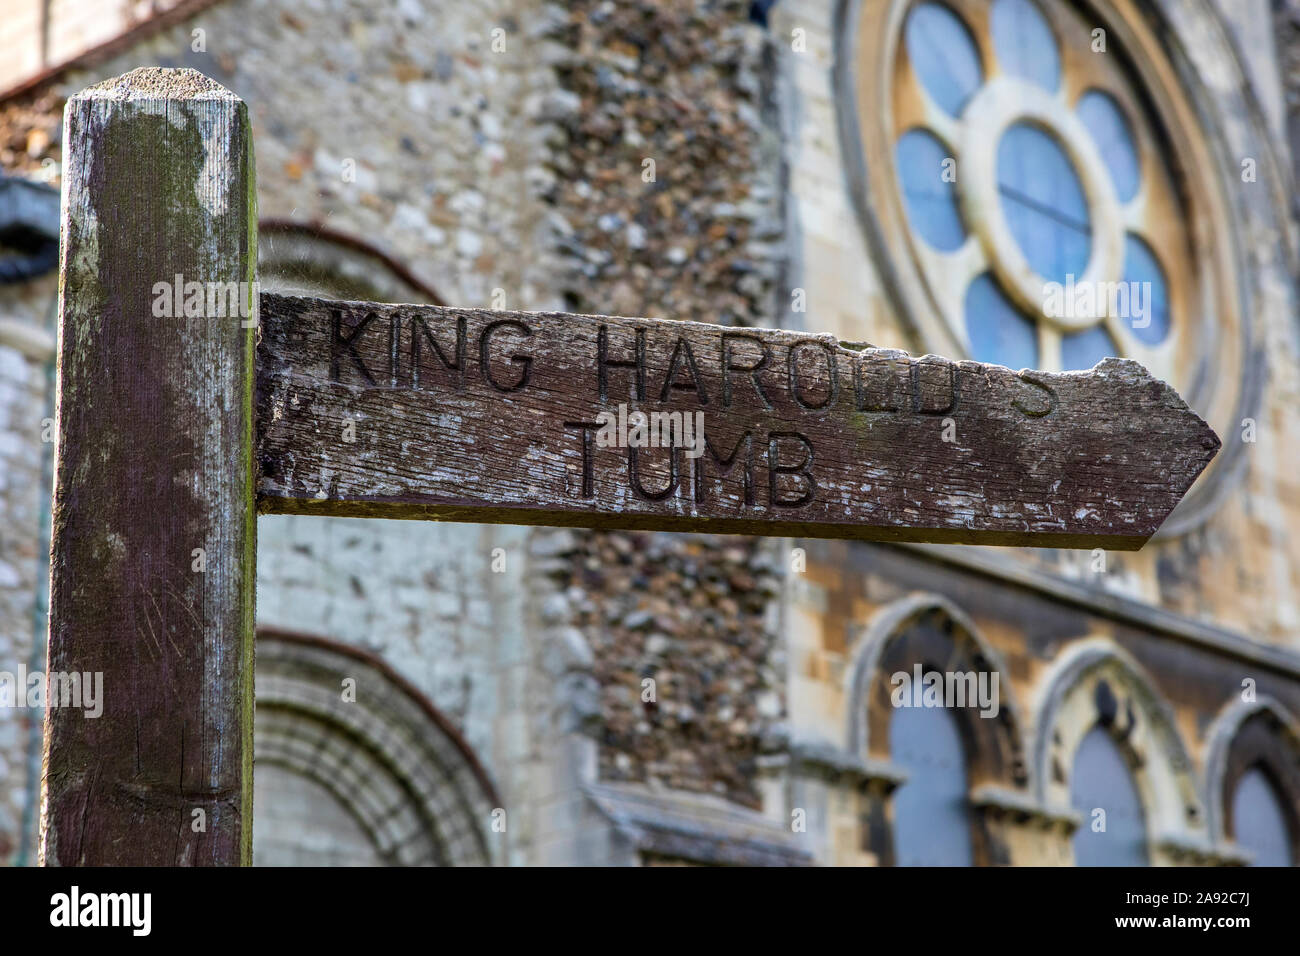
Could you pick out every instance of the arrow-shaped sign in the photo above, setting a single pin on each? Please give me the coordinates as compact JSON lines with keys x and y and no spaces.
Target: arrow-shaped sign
{"x":405,"y":411}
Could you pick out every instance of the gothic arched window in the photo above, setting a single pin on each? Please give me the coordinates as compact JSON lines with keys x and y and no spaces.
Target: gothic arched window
{"x":931,"y":820}
{"x":1101,"y":780}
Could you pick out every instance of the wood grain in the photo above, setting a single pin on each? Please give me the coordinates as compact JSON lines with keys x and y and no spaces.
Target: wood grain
{"x":403,"y":411}
{"x":154,"y":467}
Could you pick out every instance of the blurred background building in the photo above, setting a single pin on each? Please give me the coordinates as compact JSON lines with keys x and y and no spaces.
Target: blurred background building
{"x":902,"y":173}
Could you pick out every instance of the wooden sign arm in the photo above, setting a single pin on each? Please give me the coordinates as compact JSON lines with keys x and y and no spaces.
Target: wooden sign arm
{"x":399,"y":411}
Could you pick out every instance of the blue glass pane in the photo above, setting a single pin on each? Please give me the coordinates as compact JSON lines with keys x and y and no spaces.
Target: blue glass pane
{"x":1110,"y":131}
{"x":1043,"y":202}
{"x":943,"y":55}
{"x":1083,"y":350}
{"x":999,"y":333}
{"x":931,"y":202}
{"x":1025,"y":44}
{"x":1148,"y":301}
{"x":1101,"y":780}
{"x":931,"y":827}
{"x":1258,"y":822}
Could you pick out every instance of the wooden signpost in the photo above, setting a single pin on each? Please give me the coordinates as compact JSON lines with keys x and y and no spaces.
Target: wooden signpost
{"x":171,"y":432}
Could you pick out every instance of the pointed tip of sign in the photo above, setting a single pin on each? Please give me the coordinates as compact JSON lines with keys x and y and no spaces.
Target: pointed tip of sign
{"x":1210,"y":441}
{"x":1125,"y":368}
{"x":1135,"y":371}
{"x":158,"y":83}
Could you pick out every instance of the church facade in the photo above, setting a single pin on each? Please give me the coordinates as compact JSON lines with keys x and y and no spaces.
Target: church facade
{"x":1033,"y":183}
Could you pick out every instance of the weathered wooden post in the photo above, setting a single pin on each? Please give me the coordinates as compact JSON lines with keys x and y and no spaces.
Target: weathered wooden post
{"x":152,"y":567}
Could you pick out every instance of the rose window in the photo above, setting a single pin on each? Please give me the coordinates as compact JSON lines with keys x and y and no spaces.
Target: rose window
{"x":1035,"y":190}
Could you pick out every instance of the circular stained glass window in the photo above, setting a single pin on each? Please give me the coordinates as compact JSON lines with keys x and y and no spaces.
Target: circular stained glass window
{"x":1032,"y":181}
{"x":1107,"y":125}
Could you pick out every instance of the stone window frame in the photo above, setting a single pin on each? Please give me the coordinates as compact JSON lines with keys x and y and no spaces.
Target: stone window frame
{"x":993,"y":748}
{"x":1245,"y":735}
{"x":1070,"y":704}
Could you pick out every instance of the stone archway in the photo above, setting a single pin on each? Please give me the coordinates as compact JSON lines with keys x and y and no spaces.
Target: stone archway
{"x":1096,"y":683}
{"x":309,"y":258}
{"x":1257,"y":734}
{"x":338,"y":724}
{"x":930,"y":629}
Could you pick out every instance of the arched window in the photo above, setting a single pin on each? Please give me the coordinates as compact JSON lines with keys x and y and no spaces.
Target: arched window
{"x":944,"y":753}
{"x":931,"y":821}
{"x":1258,"y":820}
{"x":1101,"y":780}
{"x":1253,"y":777}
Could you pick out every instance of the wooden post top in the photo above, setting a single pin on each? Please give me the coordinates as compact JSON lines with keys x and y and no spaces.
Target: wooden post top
{"x":158,"y":83}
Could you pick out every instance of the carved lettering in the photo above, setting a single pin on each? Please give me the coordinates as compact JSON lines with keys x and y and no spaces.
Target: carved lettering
{"x":803,"y":470}
{"x":935,"y":387}
{"x":604,"y":363}
{"x":523,"y":361}
{"x":341,"y":344}
{"x":1041,"y":402}
{"x":727,"y":464}
{"x":729,"y":366}
{"x":879,"y":384}
{"x":588,"y":430}
{"x":683,"y":350}
{"x":394,"y":343}
{"x":420,"y":330}
{"x":634,"y":475}
{"x":832,"y":374}
{"x":866,"y":442}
